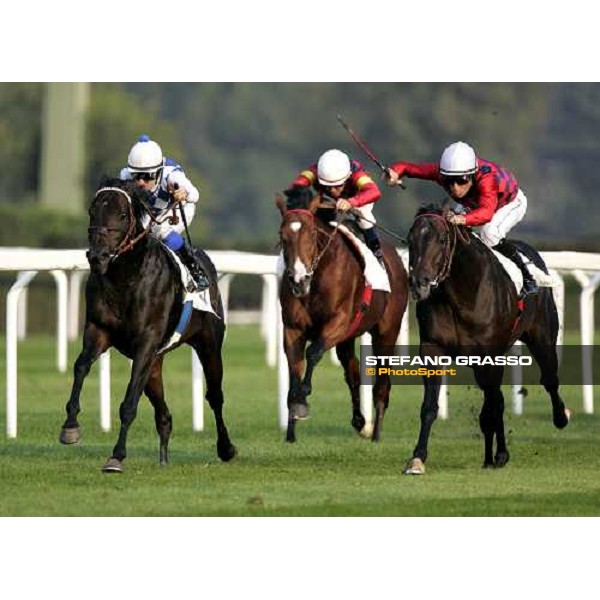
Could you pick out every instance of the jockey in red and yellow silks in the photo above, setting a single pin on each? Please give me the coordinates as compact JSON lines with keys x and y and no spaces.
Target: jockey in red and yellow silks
{"x":349,"y":184}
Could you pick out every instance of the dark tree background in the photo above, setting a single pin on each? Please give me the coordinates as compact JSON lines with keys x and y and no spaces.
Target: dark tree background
{"x":243,"y":142}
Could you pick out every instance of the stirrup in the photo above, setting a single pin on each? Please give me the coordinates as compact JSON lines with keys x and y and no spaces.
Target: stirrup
{"x":530,"y":287}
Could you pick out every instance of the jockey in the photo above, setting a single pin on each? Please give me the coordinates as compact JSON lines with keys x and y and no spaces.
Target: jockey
{"x":166,"y":184}
{"x":346,"y":182}
{"x":488,"y":197}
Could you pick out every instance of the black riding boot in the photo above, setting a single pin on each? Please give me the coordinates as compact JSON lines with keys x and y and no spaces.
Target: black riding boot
{"x":511,"y":252}
{"x":200,"y":280}
{"x":372,"y":241}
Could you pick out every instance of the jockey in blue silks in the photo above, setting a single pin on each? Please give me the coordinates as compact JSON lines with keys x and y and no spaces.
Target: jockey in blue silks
{"x":167,"y":185}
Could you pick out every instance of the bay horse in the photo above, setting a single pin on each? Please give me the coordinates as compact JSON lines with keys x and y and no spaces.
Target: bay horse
{"x":325,"y":301}
{"x":467,"y":304}
{"x":134,"y":302}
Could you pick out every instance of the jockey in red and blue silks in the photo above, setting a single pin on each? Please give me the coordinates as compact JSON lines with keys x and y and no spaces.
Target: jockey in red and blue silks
{"x":167,"y":185}
{"x":488,"y":197}
{"x":349,"y":184}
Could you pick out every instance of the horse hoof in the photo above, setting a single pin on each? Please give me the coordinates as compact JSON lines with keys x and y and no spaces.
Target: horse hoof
{"x":367,"y":431}
{"x":487,"y":465}
{"x":226,"y":453}
{"x":113,"y":465}
{"x":500,"y":460}
{"x":562,"y":419}
{"x":69,"y":435}
{"x":299,"y":412}
{"x":415,"y":466}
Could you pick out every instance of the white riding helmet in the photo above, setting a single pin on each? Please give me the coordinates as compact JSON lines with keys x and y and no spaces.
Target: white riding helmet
{"x":458,"y":159}
{"x":145,"y":156}
{"x":333,"y":168}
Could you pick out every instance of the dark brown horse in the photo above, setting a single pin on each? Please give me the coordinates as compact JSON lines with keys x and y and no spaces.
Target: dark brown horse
{"x":467,"y":304}
{"x":324,"y":300}
{"x":134,"y":302}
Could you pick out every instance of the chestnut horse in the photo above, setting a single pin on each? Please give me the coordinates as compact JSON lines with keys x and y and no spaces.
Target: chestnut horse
{"x":134,"y":302}
{"x":467,"y":304}
{"x":325,"y":301}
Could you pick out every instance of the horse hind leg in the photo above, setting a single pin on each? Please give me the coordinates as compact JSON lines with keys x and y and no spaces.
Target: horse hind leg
{"x":209,"y":353}
{"x":545,"y":356}
{"x":162,"y":417}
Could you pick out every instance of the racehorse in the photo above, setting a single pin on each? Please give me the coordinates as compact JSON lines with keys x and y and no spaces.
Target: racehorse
{"x":467,"y":304}
{"x":325,"y":301}
{"x":134,"y":303}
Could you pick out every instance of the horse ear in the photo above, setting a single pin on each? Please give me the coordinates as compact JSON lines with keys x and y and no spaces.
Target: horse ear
{"x":280,"y":203}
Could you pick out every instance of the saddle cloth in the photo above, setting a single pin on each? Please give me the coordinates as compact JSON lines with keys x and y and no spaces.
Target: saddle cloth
{"x":375,"y":275}
{"x":191,"y":300}
{"x":541,"y":278}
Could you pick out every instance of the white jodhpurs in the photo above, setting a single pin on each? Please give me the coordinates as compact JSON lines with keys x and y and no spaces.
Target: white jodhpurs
{"x":503,"y":221}
{"x":162,"y":230}
{"x":366,"y":211}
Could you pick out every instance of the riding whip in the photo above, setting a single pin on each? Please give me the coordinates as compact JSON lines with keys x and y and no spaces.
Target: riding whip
{"x":365,"y":148}
{"x":184,"y":219}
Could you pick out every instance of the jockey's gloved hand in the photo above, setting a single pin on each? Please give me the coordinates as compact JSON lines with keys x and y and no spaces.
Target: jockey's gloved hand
{"x":456,"y":219}
{"x":342,"y":205}
{"x":179,"y":195}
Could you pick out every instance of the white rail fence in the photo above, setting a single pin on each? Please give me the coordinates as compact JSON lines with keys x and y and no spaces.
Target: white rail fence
{"x":68,"y":268}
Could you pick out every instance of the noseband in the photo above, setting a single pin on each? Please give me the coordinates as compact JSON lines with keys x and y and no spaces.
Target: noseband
{"x":128,"y":242}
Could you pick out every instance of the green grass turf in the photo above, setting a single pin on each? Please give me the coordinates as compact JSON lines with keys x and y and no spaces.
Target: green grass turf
{"x":330,"y":471}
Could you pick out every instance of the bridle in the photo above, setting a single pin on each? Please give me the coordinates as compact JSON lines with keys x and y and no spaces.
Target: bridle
{"x":128,"y":242}
{"x":454,"y":233}
{"x":316,"y":232}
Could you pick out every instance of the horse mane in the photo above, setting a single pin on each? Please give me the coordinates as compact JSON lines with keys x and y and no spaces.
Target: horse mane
{"x":298,"y":197}
{"x":431,"y":207}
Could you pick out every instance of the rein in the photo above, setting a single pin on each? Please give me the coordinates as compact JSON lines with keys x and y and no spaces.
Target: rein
{"x":128,"y":242}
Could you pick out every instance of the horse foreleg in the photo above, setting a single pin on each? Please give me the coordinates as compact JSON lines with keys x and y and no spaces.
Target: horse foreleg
{"x":314,"y":353}
{"x":162,"y":417}
{"x":345,"y":352}
{"x":294,"y":343}
{"x":95,"y":342}
{"x":140,"y":373}
{"x":429,"y":411}
{"x":212,"y":363}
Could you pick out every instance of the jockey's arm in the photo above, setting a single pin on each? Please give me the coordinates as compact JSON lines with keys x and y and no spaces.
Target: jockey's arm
{"x":306,"y":178}
{"x":487,"y":202}
{"x":429,"y":171}
{"x":368,"y":191}
{"x":181,"y":188}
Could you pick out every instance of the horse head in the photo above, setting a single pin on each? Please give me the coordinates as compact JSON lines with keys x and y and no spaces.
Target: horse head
{"x":298,"y":238}
{"x":431,"y":243}
{"x":114,"y":226}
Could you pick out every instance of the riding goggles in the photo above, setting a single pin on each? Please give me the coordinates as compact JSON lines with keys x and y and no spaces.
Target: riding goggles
{"x":144,"y":176}
{"x":459,"y":179}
